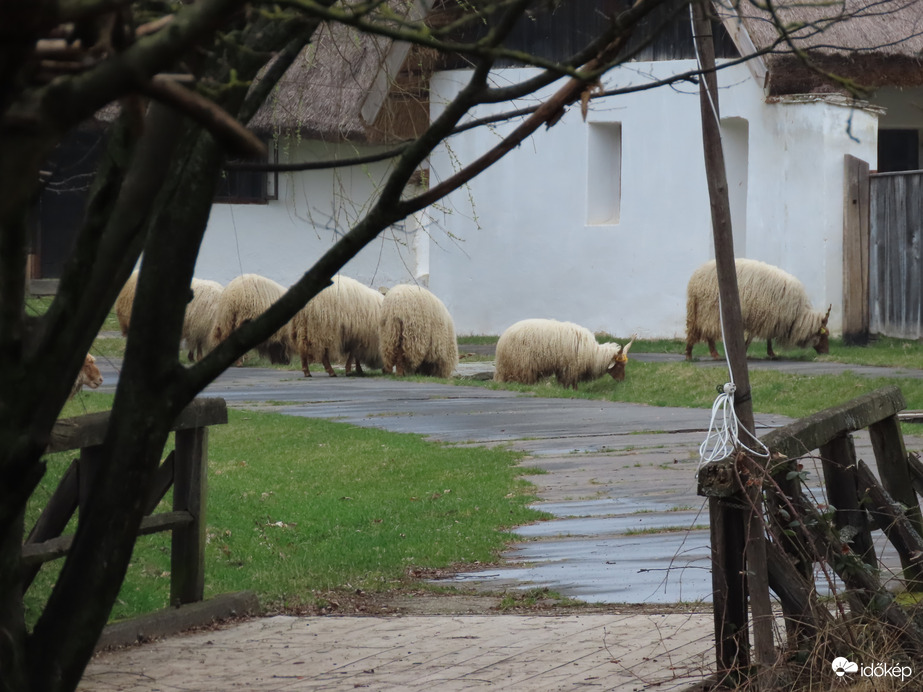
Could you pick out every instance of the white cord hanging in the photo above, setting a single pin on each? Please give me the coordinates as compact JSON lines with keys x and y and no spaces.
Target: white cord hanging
{"x":723,"y":436}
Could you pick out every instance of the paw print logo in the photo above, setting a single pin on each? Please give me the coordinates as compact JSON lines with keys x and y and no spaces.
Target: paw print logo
{"x":841,"y":666}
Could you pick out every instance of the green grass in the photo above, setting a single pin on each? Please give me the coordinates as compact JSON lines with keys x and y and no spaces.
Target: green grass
{"x":477,"y":339}
{"x":298,"y":507}
{"x":884,"y":350}
{"x":686,"y":385}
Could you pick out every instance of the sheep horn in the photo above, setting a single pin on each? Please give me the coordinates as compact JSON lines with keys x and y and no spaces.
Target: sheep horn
{"x":623,"y":354}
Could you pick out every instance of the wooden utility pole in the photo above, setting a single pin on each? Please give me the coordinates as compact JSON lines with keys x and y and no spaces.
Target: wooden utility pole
{"x":727,"y":540}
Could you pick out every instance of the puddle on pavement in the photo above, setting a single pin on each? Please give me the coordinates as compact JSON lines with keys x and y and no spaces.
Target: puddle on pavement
{"x":604,"y":507}
{"x":610,"y":526}
{"x":665,"y":568}
{"x":593,"y":556}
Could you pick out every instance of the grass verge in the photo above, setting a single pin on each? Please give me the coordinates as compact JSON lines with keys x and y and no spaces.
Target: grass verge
{"x":298,"y":507}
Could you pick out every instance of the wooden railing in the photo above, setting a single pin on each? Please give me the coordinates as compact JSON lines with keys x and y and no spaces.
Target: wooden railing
{"x":185,"y":469}
{"x":803,"y":534}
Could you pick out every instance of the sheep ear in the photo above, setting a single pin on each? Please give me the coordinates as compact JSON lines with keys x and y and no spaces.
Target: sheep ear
{"x":827,"y":316}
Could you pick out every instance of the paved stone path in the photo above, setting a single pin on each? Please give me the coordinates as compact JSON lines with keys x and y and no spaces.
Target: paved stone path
{"x":506,"y":652}
{"x":612,"y":471}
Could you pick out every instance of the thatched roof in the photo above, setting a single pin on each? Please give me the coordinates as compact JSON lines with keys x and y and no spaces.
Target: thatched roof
{"x":348,"y":85}
{"x":871,"y":42}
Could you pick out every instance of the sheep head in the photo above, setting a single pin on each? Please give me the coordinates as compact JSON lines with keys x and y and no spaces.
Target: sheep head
{"x":619,"y":359}
{"x":822,"y":339}
{"x":89,"y":376}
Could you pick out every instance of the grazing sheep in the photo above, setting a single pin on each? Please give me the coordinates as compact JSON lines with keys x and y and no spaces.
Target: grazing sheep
{"x":532,"y":349}
{"x":417,"y":333}
{"x":89,"y":375}
{"x":124,"y":302}
{"x":773,"y":305}
{"x":246,"y":298}
{"x":339,"y":322}
{"x":199,"y":322}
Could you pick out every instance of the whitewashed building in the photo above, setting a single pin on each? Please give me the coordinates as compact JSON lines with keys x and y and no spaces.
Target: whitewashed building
{"x":597,"y":221}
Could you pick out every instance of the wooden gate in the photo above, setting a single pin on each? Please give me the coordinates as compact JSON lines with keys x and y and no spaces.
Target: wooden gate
{"x":896,"y":254}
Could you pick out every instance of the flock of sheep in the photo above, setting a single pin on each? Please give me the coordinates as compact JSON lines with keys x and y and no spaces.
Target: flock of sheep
{"x":407,"y":329}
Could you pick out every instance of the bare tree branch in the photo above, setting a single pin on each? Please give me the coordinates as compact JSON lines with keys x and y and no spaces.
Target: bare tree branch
{"x":237,"y":138}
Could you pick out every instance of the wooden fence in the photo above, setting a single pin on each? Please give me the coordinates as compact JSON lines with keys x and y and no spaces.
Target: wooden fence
{"x":882,"y":253}
{"x":801,"y":535}
{"x":896,"y":254}
{"x":185,"y":469}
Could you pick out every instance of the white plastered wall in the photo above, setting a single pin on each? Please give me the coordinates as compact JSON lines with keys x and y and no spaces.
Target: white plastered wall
{"x":283,"y":238}
{"x":515,"y":243}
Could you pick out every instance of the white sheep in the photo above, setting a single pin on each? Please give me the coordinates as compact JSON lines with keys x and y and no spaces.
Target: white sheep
{"x":535,"y":348}
{"x":199,"y":321}
{"x":124,"y":302}
{"x":89,"y":376}
{"x":339,"y":322}
{"x":773,"y":305}
{"x":417,"y":333}
{"x":246,"y":298}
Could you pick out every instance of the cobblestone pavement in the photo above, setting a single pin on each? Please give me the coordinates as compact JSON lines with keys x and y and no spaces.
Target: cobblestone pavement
{"x":502,"y":652}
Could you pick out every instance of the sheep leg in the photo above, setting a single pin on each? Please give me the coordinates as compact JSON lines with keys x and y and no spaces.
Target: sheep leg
{"x":769,"y":351}
{"x":305,"y":366}
{"x":349,"y":364}
{"x":359,"y":369}
{"x":688,"y":350}
{"x":329,"y":368}
{"x":713,"y":350}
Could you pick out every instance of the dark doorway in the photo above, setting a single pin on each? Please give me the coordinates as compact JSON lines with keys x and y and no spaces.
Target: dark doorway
{"x":898,"y":150}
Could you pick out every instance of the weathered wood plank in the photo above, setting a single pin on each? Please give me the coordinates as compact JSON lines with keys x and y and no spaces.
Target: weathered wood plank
{"x":864,"y":585}
{"x":856,"y":252}
{"x":807,"y":434}
{"x":163,"y":479}
{"x":729,"y":583}
{"x":718,"y":479}
{"x":59,"y":510}
{"x":54,"y":518}
{"x":891,"y":456}
{"x":904,"y":536}
{"x":838,"y":459}
{"x":90,"y":430}
{"x":36,"y":553}
{"x":916,"y":472}
{"x":895,"y":254}
{"x":804,"y":615}
{"x":190,"y":486}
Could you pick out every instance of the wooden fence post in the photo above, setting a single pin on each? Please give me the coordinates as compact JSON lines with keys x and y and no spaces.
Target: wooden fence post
{"x":729,"y":585}
{"x":190,"y":483}
{"x":838,"y":458}
{"x":891,"y":456}
{"x":856,"y":204}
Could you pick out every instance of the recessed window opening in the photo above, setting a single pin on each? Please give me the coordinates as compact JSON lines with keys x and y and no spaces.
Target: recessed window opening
{"x":604,"y":173}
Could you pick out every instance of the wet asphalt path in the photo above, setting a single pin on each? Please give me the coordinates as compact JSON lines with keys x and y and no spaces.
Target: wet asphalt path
{"x":618,"y":479}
